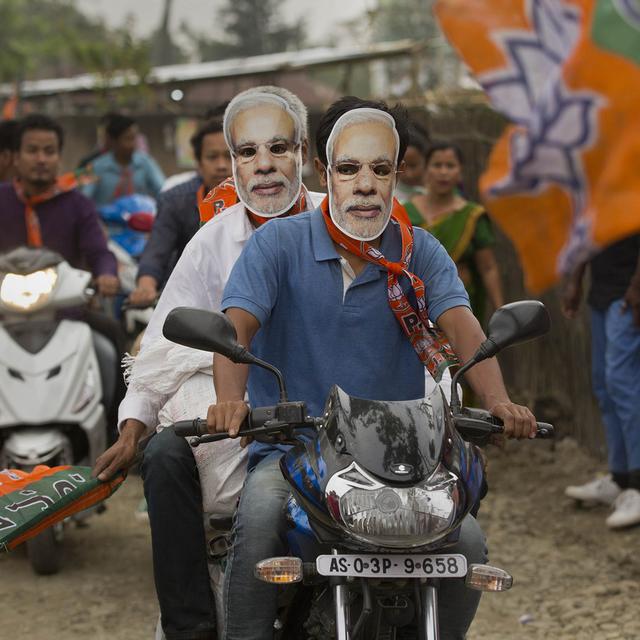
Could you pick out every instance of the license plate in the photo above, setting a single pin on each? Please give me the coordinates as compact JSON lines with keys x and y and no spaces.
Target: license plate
{"x":393,"y":566}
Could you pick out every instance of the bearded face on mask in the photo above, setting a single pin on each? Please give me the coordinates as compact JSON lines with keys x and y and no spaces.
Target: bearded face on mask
{"x":362,"y":153}
{"x":267,"y":158}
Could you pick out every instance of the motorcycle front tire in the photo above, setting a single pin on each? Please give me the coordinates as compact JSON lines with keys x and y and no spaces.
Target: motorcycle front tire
{"x":45,"y":552}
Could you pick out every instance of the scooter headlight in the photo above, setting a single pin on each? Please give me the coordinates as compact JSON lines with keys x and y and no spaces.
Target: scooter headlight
{"x":28,"y":293}
{"x":393,"y":516}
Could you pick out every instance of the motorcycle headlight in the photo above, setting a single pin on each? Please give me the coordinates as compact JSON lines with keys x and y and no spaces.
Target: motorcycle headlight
{"x":29,"y":292}
{"x":87,"y":392}
{"x":393,"y":516}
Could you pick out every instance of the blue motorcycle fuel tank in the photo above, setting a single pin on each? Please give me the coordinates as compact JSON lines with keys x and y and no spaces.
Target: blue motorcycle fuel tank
{"x":396,"y":444}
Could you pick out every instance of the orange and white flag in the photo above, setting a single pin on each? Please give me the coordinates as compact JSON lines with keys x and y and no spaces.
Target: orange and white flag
{"x":564,"y":179}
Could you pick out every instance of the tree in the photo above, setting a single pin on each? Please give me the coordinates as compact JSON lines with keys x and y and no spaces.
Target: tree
{"x":414,"y":19}
{"x":251,"y":28}
{"x":51,"y":38}
{"x":399,"y":19}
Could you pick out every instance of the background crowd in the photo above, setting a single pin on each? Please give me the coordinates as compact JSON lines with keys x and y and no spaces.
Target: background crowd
{"x":66,"y":208}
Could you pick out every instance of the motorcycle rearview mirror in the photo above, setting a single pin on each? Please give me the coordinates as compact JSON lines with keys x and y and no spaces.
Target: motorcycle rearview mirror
{"x":510,"y":324}
{"x":205,"y":330}
{"x":213,"y":331}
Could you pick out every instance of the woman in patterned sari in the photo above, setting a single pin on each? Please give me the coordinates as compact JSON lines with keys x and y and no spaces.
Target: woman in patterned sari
{"x":463,"y":227}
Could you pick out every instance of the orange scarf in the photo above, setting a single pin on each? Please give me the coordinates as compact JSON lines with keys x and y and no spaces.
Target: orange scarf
{"x":225,"y":195}
{"x":125,"y":185}
{"x":429,"y":343}
{"x":63,"y":184}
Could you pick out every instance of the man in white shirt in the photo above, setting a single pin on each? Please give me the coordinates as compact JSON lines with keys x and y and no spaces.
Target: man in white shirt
{"x":266,"y":130}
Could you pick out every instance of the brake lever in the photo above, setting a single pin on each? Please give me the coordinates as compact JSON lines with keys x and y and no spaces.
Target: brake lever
{"x":475,"y":430}
{"x":477,"y":426}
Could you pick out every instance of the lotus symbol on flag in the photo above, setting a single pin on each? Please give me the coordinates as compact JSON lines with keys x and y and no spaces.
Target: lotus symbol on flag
{"x":557,"y":123}
{"x":561,"y":181}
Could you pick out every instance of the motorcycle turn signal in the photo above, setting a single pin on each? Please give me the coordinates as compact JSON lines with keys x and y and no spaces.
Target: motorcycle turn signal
{"x":484,"y":577}
{"x":279,"y":570}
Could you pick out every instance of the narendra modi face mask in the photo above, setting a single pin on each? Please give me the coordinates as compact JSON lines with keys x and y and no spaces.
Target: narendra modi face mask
{"x":265,"y":138}
{"x":362,"y":158}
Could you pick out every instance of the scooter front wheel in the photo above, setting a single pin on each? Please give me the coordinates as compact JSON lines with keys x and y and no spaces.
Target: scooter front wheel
{"x":45,"y":552}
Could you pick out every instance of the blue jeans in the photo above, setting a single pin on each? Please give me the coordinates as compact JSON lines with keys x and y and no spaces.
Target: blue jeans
{"x":615,"y":362}
{"x":260,"y":532}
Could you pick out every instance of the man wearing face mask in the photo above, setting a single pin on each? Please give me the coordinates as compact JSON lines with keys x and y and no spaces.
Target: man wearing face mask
{"x":266,"y":131}
{"x":324,"y":297}
{"x":178,"y":219}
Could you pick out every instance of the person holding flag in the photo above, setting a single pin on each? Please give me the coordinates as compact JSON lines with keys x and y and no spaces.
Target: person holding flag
{"x":266,"y":130}
{"x":614,"y":302}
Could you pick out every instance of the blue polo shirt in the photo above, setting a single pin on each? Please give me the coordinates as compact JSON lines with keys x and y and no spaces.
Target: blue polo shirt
{"x":290,"y":278}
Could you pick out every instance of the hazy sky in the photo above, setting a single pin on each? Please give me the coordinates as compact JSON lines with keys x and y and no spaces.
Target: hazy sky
{"x":320,"y":15}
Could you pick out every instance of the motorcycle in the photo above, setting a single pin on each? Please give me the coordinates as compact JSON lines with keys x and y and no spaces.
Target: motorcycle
{"x":383,"y":487}
{"x":56,"y":377}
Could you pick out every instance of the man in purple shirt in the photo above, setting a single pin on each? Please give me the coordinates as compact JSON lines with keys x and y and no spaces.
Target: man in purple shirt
{"x":36,"y":210}
{"x":33,"y":210}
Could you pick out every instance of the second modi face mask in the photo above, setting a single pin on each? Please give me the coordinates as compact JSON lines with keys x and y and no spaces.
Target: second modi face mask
{"x":264,"y":135}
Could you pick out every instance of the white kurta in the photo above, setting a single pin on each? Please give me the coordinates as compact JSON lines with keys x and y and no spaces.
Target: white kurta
{"x":169,"y":382}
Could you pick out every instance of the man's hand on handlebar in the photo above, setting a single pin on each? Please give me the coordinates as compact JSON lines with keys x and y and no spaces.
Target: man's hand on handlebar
{"x":228,"y":417}
{"x":107,"y":285}
{"x":145,"y":293}
{"x":518,"y":420}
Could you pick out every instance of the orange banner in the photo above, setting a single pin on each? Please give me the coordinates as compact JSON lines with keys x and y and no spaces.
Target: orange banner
{"x":563,"y":180}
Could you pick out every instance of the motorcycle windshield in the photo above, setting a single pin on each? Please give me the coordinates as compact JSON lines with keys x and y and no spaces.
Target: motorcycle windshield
{"x":400,"y":442}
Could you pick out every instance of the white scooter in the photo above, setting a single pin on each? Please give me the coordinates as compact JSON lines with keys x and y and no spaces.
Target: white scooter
{"x":56,"y":377}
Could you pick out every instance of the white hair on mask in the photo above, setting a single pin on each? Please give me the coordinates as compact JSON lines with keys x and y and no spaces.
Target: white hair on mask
{"x":363,"y":115}
{"x":267,"y":95}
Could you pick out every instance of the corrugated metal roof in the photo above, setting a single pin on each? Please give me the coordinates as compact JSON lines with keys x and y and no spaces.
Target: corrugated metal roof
{"x":235,"y":67}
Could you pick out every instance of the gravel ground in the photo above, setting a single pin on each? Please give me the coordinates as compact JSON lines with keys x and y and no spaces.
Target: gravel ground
{"x":573,"y":579}
{"x":103,"y":592}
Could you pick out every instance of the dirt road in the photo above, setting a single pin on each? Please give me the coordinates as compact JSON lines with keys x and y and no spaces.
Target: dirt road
{"x":574,"y":579}
{"x":104,"y":591}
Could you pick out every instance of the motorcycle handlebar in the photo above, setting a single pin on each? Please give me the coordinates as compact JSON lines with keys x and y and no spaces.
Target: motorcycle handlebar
{"x":188,"y":428}
{"x":473,"y":424}
{"x":135,"y":306}
{"x":255,"y":423}
{"x":484,"y":426}
{"x":545,"y":430}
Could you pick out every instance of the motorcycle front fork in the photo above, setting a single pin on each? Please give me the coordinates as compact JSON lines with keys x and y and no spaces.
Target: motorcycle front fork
{"x":429,"y":627}
{"x":341,"y":601}
{"x":429,"y":624}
